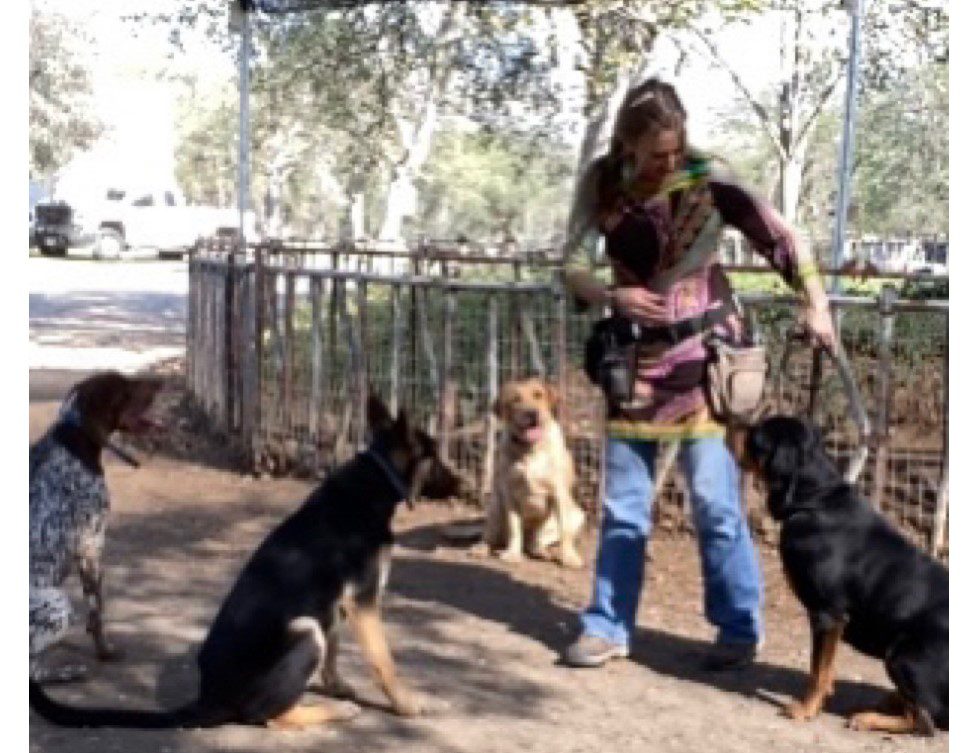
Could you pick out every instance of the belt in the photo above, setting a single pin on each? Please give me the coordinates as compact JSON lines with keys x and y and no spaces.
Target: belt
{"x":685,"y":328}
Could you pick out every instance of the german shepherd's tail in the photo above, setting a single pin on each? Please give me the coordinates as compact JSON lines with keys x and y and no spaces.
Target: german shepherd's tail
{"x":187,"y":717}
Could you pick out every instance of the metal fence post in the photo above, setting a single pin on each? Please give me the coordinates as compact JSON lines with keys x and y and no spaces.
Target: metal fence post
{"x":560,"y":347}
{"x":363,"y":371}
{"x":939,"y":520}
{"x":447,"y":386}
{"x":395,"y":367}
{"x":886,"y":310}
{"x":230,"y":341}
{"x":316,"y":362}
{"x":493,"y":385}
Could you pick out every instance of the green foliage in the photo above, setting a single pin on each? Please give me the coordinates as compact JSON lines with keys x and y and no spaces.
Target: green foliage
{"x":336,"y":96}
{"x":901,"y":178}
{"x":902,"y":163}
{"x":487,"y":185}
{"x":617,"y":34}
{"x":207,"y":147}
{"x":62,"y":114}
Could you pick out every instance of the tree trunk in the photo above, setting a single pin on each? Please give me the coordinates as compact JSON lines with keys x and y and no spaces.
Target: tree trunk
{"x":357,"y":229}
{"x":401,"y":196}
{"x":416,"y":138}
{"x":790,"y":184}
{"x":596,"y":140}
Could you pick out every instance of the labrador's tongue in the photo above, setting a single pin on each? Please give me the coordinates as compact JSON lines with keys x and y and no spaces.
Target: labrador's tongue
{"x":533,"y":434}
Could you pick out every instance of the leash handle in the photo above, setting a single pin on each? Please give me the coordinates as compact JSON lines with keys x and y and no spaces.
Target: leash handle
{"x":122,"y":454}
{"x":838,"y":356}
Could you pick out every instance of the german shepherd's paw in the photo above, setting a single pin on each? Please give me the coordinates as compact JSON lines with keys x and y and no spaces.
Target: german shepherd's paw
{"x":344,"y":711}
{"x":415,"y":704}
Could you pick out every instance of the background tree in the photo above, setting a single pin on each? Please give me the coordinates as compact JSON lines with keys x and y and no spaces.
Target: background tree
{"x":495,"y":185}
{"x":62,"y":110}
{"x":349,"y":104}
{"x":811,"y":61}
{"x":902,"y":157}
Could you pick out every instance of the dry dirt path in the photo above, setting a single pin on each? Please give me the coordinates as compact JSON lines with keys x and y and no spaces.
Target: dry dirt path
{"x":482,"y":636}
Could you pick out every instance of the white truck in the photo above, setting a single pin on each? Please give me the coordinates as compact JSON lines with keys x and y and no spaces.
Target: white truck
{"x":117,"y":220}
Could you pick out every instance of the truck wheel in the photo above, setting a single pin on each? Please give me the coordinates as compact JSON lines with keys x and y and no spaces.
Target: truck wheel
{"x":53,"y":251}
{"x":109,"y":244}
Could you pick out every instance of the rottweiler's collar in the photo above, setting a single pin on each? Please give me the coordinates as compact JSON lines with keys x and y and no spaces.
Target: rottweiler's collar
{"x":70,"y":416}
{"x":374,"y":452}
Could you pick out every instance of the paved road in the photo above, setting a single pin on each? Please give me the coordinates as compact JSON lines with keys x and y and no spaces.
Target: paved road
{"x":87,"y":315}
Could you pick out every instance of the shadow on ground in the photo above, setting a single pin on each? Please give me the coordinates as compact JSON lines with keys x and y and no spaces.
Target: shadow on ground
{"x":530,"y":611}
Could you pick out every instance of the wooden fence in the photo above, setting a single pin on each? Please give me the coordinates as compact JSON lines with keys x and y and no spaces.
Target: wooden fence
{"x":285,"y":343}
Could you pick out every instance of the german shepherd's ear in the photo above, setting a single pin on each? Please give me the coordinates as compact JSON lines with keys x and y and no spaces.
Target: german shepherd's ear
{"x":401,"y":427}
{"x":378,"y":417}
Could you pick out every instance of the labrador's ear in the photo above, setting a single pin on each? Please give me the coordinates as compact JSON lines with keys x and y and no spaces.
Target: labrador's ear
{"x":498,"y":408}
{"x":554,"y":396}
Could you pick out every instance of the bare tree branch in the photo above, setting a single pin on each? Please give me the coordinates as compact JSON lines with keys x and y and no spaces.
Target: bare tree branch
{"x":764,"y":117}
{"x":818,"y":107}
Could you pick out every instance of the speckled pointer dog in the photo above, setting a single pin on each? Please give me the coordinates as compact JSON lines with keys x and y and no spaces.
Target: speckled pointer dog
{"x":69,"y":507}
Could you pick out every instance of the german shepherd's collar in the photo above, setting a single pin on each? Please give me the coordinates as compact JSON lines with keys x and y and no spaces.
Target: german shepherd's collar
{"x":279,"y":623}
{"x":375,"y":452}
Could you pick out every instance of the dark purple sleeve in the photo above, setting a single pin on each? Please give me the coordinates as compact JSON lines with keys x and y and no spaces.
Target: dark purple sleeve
{"x":761,"y":224}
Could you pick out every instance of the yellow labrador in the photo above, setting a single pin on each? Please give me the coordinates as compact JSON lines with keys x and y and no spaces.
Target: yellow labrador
{"x":532,"y":507}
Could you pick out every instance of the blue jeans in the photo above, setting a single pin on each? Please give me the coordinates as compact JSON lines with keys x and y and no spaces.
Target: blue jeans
{"x":729,"y":564}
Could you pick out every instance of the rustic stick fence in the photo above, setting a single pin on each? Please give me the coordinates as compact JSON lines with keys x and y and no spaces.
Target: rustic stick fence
{"x":285,"y":343}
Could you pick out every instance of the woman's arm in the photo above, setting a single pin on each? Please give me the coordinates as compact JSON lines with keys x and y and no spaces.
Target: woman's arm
{"x":770,"y":235}
{"x":630,"y":300}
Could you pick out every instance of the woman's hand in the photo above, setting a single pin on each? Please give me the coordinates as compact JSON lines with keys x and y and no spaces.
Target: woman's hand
{"x":820,"y":326}
{"x":642,"y":306}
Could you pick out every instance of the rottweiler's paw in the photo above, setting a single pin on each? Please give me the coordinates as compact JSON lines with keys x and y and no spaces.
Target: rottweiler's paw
{"x":798,"y":711}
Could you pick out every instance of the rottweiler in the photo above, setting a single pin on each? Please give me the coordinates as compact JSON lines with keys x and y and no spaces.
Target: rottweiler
{"x":859,"y":578}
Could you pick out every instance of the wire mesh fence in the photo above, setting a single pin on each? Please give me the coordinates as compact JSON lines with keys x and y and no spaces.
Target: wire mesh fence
{"x":284,"y":345}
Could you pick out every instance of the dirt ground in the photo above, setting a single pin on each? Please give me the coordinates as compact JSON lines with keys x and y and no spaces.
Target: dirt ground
{"x":479,"y":634}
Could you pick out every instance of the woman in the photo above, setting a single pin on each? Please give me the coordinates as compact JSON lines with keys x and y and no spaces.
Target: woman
{"x":660,"y":208}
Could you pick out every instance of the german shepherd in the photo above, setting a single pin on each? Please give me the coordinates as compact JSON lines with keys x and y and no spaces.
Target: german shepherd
{"x":278,"y":625}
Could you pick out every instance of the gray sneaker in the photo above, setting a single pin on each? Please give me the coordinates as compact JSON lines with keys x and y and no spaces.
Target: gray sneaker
{"x":593,"y":651}
{"x":725,"y":656}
